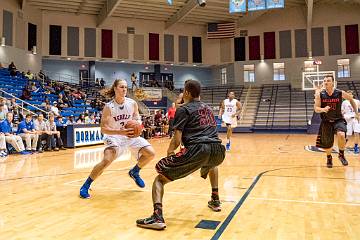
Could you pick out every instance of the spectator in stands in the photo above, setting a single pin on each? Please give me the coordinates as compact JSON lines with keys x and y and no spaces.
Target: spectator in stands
{"x":51,"y":127}
{"x":158,"y":117}
{"x":171,"y":116}
{"x":12,"y":105}
{"x":41,"y":129}
{"x":147,"y":128}
{"x":81,"y":119}
{"x":54,"y":109}
{"x":42,"y":75}
{"x":133,"y":81}
{"x":4,"y":102}
{"x":47,"y":107}
{"x":46,"y":102}
{"x":33,"y":87}
{"x":102,"y":82}
{"x":27,"y":131}
{"x":60,"y":122}
{"x":10,"y":137}
{"x":12,"y":69}
{"x":2,"y":112}
{"x":26,"y":94}
{"x":91,"y":119}
{"x":62,"y":101}
{"x":71,"y":120}
{"x":29,"y":75}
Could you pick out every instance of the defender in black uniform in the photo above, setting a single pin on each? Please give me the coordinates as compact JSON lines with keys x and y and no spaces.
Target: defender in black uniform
{"x":195,"y":126}
{"x":328,"y":104}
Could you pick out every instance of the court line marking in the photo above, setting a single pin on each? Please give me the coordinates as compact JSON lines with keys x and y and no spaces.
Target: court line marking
{"x":305,"y":201}
{"x":231,"y":215}
{"x":226,"y":197}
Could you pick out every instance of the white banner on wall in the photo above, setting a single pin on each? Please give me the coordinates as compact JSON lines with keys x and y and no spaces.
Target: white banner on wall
{"x":87,"y":136}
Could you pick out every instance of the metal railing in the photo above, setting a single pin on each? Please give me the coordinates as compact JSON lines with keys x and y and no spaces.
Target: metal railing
{"x":22,"y":103}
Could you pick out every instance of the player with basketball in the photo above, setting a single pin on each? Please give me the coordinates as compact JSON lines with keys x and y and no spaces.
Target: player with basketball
{"x":328,"y":104}
{"x":229,"y":111}
{"x":195,"y":125}
{"x":353,"y":125}
{"x":118,"y":136}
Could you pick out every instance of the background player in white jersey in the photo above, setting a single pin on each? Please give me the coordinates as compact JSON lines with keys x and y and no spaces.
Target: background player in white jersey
{"x":229,"y":110}
{"x":117,"y":138}
{"x":353,"y":125}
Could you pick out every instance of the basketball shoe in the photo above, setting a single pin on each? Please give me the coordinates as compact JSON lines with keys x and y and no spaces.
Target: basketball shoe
{"x":153,"y":222}
{"x":215,"y":205}
{"x":136,"y":177}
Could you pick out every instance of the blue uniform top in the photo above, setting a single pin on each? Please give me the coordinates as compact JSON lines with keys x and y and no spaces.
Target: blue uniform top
{"x":24,"y":125}
{"x":5,"y":126}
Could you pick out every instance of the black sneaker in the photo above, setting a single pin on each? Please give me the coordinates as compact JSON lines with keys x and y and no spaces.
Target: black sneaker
{"x":153,"y":222}
{"x":343,"y":160}
{"x":329,"y":163}
{"x":215,"y":205}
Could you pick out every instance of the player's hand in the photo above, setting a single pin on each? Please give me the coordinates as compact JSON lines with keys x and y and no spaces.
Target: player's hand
{"x":129,"y":132}
{"x":326,"y":109}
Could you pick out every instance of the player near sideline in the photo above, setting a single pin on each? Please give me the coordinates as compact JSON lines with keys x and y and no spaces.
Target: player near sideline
{"x":229,"y":110}
{"x":353,"y":125}
{"x":117,"y":138}
{"x":328,"y":104}
{"x":195,"y":125}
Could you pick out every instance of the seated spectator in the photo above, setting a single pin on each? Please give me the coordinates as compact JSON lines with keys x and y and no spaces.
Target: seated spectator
{"x":102,"y":82}
{"x":4,"y":102}
{"x":12,"y":69}
{"x":71,"y":120}
{"x":47,"y":107}
{"x":54,"y":109}
{"x":26,"y":130}
{"x":51,"y":127}
{"x":2,"y":112}
{"x":26,"y":94}
{"x":12,"y":105}
{"x":42,"y":75}
{"x":60,"y":122}
{"x":41,"y":129}
{"x":91,"y":119}
{"x":33,"y":87}
{"x":46,"y":102}
{"x":29,"y":75}
{"x":6,"y":127}
{"x":81,"y":119}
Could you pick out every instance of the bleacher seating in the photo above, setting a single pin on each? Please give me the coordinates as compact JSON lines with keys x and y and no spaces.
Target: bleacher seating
{"x":16,"y":85}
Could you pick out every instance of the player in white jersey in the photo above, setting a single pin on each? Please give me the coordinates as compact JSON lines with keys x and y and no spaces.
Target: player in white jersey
{"x":229,"y":110}
{"x":353,"y":125}
{"x":117,"y":138}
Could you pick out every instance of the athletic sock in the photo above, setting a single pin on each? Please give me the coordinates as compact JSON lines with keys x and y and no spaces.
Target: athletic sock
{"x":136,"y":168}
{"x":215,"y":194}
{"x":329,"y":156}
{"x":88,"y":182}
{"x":158,"y":210}
{"x":341,"y":152}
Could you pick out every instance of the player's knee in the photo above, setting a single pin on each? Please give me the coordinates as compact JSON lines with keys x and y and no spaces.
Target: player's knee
{"x":341,"y":134}
{"x":149,"y":152}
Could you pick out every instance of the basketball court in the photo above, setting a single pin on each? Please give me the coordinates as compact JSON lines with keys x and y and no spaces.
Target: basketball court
{"x":271,"y":188}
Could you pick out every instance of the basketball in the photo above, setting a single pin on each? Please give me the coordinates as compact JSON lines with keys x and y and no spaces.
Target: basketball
{"x":132,"y":124}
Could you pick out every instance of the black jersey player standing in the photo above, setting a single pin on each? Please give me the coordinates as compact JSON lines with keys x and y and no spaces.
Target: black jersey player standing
{"x":328,"y":104}
{"x":195,"y":127}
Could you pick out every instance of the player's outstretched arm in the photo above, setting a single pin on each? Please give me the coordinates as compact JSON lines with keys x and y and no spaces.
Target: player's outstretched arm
{"x":105,"y":119}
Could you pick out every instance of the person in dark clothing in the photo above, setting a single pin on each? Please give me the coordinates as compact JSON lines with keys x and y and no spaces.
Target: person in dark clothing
{"x":328,"y":104}
{"x":195,"y":126}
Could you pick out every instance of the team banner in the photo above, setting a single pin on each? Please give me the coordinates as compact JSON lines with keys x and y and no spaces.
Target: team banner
{"x":254,"y":5}
{"x":275,"y":4}
{"x":87,"y":136}
{"x":148,"y":94}
{"x":236,"y":6}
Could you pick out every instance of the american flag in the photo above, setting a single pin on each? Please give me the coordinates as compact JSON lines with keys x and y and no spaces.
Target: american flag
{"x":221,"y":30}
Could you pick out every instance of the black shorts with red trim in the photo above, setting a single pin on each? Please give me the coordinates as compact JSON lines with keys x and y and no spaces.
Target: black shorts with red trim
{"x":325,"y":138}
{"x":204,"y":156}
